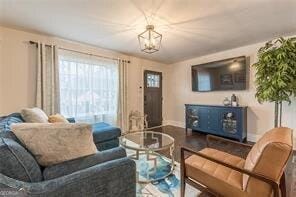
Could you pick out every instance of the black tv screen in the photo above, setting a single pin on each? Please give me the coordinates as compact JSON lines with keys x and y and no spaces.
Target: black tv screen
{"x":228,"y":74}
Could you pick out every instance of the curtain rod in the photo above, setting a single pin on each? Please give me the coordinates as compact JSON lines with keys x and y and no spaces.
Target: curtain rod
{"x":66,"y":49}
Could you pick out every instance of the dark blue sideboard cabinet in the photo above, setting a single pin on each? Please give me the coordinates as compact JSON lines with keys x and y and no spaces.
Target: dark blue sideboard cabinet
{"x":224,"y":121}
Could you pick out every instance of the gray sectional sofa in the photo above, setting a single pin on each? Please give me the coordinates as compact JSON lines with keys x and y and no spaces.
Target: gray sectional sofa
{"x":106,"y":173}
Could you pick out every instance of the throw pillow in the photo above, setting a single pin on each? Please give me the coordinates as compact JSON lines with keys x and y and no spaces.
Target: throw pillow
{"x":17,"y":163}
{"x":55,"y":143}
{"x":57,"y":118}
{"x":5,"y":123}
{"x":34,"y":115}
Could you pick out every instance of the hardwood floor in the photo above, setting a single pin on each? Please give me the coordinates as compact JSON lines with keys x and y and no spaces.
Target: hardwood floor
{"x":197,"y":141}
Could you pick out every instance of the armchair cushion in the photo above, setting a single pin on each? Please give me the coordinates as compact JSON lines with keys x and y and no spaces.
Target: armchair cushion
{"x":274,"y":147}
{"x":17,"y":163}
{"x":221,"y":179}
{"x":69,"y":167}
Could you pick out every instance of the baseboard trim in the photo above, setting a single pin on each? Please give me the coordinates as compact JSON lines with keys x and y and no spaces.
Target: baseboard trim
{"x":252,"y":137}
{"x":174,"y":123}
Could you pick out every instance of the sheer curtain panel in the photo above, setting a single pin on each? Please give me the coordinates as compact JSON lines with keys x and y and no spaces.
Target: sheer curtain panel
{"x":89,"y":87}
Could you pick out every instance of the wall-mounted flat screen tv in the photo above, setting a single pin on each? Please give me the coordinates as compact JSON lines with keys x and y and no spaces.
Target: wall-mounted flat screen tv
{"x":228,"y":74}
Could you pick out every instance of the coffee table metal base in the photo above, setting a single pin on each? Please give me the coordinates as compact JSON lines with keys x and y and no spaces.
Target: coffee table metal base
{"x":152,"y":157}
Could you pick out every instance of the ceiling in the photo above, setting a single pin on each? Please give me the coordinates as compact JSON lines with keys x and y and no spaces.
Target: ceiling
{"x":190,"y":28}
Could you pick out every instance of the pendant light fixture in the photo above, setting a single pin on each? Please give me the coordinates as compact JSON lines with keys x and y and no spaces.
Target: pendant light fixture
{"x":149,"y":40}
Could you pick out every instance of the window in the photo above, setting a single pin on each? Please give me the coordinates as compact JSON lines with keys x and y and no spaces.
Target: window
{"x":88,"y":87}
{"x":153,"y":81}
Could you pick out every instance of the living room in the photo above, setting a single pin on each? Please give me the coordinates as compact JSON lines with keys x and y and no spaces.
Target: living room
{"x":138,"y":113}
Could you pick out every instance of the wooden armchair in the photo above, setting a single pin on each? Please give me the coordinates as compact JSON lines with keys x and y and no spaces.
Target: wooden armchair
{"x":224,"y":174}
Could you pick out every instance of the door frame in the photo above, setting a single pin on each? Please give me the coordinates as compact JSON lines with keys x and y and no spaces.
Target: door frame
{"x":143,"y":92}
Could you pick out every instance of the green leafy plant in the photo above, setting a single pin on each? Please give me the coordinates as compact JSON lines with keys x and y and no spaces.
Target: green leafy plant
{"x":276,"y":74}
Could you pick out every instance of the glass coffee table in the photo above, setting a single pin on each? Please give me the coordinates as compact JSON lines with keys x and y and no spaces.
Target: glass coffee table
{"x":143,"y":147}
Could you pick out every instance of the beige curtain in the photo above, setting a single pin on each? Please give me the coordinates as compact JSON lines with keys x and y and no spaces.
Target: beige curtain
{"x":122,"y":117}
{"x":47,"y":92}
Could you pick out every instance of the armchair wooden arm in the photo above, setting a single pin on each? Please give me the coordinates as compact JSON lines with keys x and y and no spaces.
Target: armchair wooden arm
{"x":274,"y":185}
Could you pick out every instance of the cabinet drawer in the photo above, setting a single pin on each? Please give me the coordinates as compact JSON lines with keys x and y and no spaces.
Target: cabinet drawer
{"x":192,"y":117}
{"x":203,"y":117}
{"x":213,"y":119}
{"x":230,"y":122}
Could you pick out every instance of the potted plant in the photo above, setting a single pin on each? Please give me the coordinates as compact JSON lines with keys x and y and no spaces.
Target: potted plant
{"x":276,"y":74}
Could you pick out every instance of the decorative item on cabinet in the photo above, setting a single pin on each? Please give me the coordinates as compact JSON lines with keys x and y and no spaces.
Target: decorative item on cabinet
{"x":226,"y":101}
{"x":225,"y":121}
{"x":234,"y":100}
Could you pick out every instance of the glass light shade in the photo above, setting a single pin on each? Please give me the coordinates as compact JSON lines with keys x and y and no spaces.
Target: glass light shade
{"x":150,"y":40}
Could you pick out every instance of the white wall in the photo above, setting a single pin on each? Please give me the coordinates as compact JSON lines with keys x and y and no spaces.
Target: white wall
{"x":17,"y":81}
{"x":17,"y":70}
{"x":136,"y":83}
{"x":260,"y":116}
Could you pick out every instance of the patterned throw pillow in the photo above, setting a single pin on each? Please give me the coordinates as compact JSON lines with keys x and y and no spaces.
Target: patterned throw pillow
{"x":57,"y":118}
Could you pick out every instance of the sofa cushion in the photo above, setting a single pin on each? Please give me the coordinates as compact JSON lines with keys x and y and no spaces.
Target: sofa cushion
{"x":268,"y":157}
{"x":34,"y":115}
{"x":56,"y":143}
{"x":17,"y":163}
{"x":5,"y":123}
{"x":69,"y":167}
{"x":104,"y":132}
{"x":221,"y":179}
{"x":101,"y":146}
